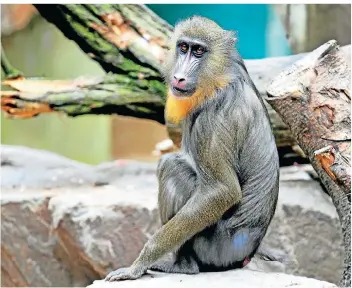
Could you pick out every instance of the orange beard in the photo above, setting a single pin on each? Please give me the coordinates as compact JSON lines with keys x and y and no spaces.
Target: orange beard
{"x":176,"y":109}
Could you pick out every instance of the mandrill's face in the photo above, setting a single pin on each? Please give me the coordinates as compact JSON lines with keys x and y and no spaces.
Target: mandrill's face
{"x":199,"y":61}
{"x":190,"y":54}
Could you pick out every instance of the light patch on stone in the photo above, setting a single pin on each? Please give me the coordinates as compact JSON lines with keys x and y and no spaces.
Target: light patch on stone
{"x":96,"y":203}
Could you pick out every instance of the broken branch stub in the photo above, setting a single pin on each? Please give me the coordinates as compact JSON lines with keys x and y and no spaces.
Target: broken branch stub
{"x":313,"y":98}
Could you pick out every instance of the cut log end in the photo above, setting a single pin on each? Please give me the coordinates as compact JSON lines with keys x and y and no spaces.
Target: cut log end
{"x":290,"y":83}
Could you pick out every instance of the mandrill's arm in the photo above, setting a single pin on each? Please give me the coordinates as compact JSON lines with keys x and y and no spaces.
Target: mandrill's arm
{"x":207,"y":205}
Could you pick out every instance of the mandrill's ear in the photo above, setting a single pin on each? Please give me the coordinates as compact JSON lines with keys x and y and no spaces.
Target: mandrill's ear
{"x":233,"y":36}
{"x":230,"y":37}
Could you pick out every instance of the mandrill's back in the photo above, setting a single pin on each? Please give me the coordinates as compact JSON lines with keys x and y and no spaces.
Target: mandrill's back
{"x":234,"y":125}
{"x":258,"y":161}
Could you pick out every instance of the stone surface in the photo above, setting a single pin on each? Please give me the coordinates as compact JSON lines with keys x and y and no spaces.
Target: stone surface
{"x":72,"y":233}
{"x":236,"y":278}
{"x":61,"y":238}
{"x":26,"y":168}
{"x":306,"y":227}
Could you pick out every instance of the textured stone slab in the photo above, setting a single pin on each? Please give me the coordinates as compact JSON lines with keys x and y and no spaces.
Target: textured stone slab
{"x":237,"y":278}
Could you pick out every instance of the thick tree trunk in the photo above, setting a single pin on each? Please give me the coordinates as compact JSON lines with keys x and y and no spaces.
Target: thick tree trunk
{"x":313,"y":98}
{"x":123,"y":38}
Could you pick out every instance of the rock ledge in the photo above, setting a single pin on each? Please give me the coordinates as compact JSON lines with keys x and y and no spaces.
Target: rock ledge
{"x":235,"y":278}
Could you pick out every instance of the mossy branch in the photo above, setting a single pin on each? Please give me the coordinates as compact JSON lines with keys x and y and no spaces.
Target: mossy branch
{"x":111,"y":94}
{"x":123,"y":38}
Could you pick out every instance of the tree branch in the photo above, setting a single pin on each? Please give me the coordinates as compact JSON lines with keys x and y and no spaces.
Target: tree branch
{"x":104,"y":95}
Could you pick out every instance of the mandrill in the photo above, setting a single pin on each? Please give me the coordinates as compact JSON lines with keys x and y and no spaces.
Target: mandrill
{"x":218,"y":194}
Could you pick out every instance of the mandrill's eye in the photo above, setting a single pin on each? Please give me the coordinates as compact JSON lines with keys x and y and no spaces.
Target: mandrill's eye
{"x":183,"y":47}
{"x":198,"y":50}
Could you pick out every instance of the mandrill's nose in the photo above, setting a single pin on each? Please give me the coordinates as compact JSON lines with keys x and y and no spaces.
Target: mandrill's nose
{"x":179,"y":81}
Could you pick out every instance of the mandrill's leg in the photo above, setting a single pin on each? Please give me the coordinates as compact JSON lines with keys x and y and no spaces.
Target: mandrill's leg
{"x":177,"y":183}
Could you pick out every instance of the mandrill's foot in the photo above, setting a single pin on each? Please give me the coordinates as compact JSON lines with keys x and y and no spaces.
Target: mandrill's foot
{"x":182,"y":267}
{"x":128,"y":273}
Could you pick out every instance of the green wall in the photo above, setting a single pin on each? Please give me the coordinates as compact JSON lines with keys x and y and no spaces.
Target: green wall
{"x":41,"y":50}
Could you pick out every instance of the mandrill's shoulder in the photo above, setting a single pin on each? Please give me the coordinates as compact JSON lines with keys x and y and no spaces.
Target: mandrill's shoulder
{"x":234,"y":107}
{"x":238,"y":102}
{"x":243,"y":100}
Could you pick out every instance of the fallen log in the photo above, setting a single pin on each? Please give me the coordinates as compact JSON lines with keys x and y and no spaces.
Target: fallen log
{"x":313,"y":98}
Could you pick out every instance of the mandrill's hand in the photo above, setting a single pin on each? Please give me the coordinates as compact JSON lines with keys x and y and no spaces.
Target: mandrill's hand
{"x":128,"y":273}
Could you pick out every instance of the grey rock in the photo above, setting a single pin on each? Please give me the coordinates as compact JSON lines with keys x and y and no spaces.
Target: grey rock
{"x":235,"y":278}
{"x":69,"y":234}
{"x":27,"y":168}
{"x":59,"y":238}
{"x":306,"y":227}
{"x":27,"y":245}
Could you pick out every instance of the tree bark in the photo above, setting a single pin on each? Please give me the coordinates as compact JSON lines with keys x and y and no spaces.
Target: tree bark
{"x":123,"y":38}
{"x":313,"y":98}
